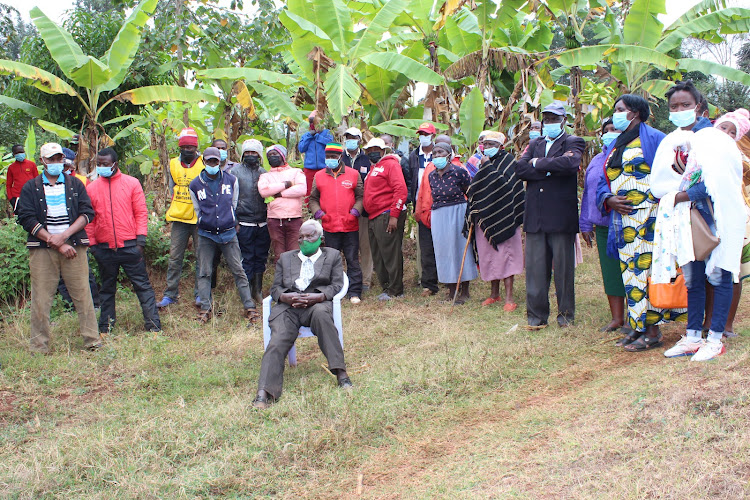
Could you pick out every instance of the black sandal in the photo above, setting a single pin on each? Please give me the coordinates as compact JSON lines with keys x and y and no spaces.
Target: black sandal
{"x":644,"y":343}
{"x":628,"y":339}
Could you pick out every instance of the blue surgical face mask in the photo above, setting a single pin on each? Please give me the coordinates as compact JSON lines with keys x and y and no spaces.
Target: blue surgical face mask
{"x":54,"y":169}
{"x":491,"y":151}
{"x":332,"y":163}
{"x":440,"y":163}
{"x":682,"y":118}
{"x":620,"y":120}
{"x":425,"y":140}
{"x":552,"y":130}
{"x":609,"y":138}
{"x":212,"y":170}
{"x":351,"y":144}
{"x":20,"y":156}
{"x":102,"y":171}
{"x":223,"y":155}
{"x":534,"y":134}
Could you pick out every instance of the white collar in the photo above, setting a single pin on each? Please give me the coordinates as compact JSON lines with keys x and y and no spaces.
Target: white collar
{"x":426,"y":155}
{"x":314,"y":257}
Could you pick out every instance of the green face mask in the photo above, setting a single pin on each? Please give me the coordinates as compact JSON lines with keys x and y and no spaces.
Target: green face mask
{"x":310,"y":247}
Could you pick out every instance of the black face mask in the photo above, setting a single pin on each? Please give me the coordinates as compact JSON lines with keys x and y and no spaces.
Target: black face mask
{"x":275,"y":161}
{"x":187,"y":157}
{"x":375,"y":157}
{"x":251,"y":161}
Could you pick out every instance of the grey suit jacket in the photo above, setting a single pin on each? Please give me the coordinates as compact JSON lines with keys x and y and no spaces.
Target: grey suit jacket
{"x":328,"y":279}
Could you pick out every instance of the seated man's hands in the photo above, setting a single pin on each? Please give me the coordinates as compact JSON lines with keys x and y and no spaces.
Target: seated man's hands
{"x":301,"y":300}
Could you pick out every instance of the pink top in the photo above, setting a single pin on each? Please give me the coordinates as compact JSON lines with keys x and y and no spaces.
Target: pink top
{"x":289,"y":204}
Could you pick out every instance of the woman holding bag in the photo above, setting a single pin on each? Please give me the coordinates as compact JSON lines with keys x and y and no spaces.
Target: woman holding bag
{"x":712,"y":182}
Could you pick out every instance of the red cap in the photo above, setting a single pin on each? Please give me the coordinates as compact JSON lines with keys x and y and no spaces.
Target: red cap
{"x":188,"y":137}
{"x":427,"y":128}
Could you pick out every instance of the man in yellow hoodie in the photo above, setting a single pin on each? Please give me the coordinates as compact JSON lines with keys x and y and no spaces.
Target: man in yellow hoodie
{"x":182,"y":170}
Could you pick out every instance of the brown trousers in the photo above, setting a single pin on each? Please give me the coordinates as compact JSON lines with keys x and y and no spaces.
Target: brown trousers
{"x":365,"y":254}
{"x":47,"y":266}
{"x":284,"y":235}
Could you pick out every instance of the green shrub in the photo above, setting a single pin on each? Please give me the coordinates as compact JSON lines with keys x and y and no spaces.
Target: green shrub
{"x":15,"y":278}
{"x":158,"y":244}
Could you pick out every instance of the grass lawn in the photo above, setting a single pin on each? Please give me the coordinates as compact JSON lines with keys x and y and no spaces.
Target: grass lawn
{"x":462,"y":404}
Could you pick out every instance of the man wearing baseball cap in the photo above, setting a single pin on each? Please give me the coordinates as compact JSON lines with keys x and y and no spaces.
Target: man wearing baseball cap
{"x":214,"y":195}
{"x":182,"y":170}
{"x":253,"y":235}
{"x":385,"y":203}
{"x":550,"y":168}
{"x":418,"y":160}
{"x":54,"y":209}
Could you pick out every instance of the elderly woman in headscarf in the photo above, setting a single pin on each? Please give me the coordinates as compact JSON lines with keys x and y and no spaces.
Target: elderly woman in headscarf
{"x":625,"y":192}
{"x":287,"y":186}
{"x":473,"y":163}
{"x":496,"y":205}
{"x":448,"y":183}
{"x":712,"y":182}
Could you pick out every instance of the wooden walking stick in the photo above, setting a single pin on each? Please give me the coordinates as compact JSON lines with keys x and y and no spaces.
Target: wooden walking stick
{"x":461,"y":271}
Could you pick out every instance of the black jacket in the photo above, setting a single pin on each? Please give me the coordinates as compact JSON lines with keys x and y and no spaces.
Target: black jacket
{"x":32,"y":209}
{"x":413,"y":164}
{"x":551,"y":186}
{"x":251,"y":206}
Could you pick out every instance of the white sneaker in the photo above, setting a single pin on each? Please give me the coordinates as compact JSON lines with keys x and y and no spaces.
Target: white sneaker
{"x":685,"y":347}
{"x":709,"y":350}
{"x":355,"y":300}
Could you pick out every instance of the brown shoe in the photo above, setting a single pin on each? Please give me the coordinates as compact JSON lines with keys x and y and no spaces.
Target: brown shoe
{"x":426,"y":292}
{"x":252,"y":314}
{"x":204,"y":316}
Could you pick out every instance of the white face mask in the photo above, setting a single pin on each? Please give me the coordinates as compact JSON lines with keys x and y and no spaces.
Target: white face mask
{"x":425,"y":140}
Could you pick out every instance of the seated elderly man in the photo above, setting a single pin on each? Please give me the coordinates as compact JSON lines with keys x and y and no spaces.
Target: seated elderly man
{"x":303,"y":287}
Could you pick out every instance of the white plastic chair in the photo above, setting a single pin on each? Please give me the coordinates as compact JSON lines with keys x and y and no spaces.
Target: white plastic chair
{"x":305,"y":330}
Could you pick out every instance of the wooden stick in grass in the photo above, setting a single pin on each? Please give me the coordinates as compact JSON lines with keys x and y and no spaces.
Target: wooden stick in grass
{"x":461,"y":271}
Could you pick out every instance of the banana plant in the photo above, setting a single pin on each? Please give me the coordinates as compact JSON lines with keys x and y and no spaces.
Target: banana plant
{"x":645,"y":44}
{"x":337,"y":59}
{"x":91,"y":79}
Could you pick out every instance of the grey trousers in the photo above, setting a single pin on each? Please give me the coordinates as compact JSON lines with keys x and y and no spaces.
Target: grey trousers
{"x":284,"y":331}
{"x":541,"y":250}
{"x":231,"y":253}
{"x":179,"y":235}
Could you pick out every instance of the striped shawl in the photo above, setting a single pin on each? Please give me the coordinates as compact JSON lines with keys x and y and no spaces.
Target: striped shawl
{"x":496,"y":199}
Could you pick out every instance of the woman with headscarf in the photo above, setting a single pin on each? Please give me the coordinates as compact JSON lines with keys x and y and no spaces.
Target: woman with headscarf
{"x":448,"y":184}
{"x":496,"y":205}
{"x":287,"y":186}
{"x":712,"y":183}
{"x":624,"y":192}
{"x":595,"y":226}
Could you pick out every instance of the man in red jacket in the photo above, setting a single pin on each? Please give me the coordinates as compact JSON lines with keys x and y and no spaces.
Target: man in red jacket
{"x":384,"y":200}
{"x":19,"y":172}
{"x":336,"y":200}
{"x":118,"y":238}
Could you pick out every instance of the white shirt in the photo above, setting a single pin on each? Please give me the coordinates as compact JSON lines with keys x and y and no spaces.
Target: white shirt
{"x":427,"y":157}
{"x":307,"y":271}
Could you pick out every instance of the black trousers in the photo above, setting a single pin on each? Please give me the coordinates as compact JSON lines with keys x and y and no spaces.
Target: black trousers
{"x":542,"y":250}
{"x":132,"y":262}
{"x":285,"y":322}
{"x":427,"y":256}
{"x":255,"y":243}
{"x":387,"y":255}
{"x":349,"y":244}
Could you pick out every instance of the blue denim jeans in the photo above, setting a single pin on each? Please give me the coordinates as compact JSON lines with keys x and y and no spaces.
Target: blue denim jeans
{"x":695,"y":280}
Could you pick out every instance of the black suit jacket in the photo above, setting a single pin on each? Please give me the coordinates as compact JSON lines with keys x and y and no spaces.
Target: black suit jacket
{"x":328,"y":279}
{"x":551,"y":200}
